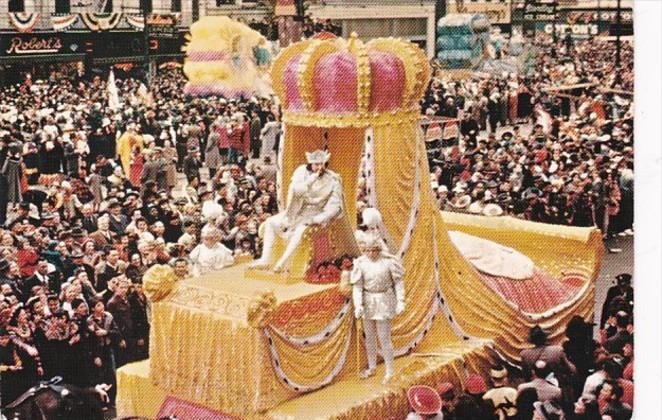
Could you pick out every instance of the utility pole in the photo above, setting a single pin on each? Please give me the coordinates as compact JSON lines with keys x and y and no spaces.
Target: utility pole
{"x":618,"y":42}
{"x":439,"y":12}
{"x":146,"y":41}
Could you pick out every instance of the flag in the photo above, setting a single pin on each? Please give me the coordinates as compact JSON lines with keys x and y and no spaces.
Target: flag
{"x":144,"y":95}
{"x":113,"y":96}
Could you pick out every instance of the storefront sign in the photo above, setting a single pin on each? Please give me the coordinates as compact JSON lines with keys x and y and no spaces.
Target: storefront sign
{"x":34,"y":45}
{"x":163,"y":25}
{"x":540,"y":12}
{"x":499,"y":13}
{"x":576,"y":30}
{"x":608,"y":16}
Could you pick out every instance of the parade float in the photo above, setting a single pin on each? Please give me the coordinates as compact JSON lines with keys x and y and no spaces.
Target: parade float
{"x":260,"y":345}
{"x":225,"y":57}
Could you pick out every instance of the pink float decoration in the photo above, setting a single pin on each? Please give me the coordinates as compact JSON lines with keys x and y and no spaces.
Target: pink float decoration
{"x":334,"y":83}
{"x":206,"y":56}
{"x":294,"y":101}
{"x":387,"y":81}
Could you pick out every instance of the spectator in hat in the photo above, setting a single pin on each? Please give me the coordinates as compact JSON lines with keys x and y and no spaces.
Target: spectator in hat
{"x":554,"y":357}
{"x":623,"y":288}
{"x":580,"y":348}
{"x":192,"y":165}
{"x":425,"y":403}
{"x":546,"y":391}
{"x":616,"y":342}
{"x":502,"y":397}
{"x":118,"y":306}
{"x":475,"y":387}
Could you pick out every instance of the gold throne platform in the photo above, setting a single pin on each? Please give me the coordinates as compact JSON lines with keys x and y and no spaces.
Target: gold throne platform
{"x":256,"y":346}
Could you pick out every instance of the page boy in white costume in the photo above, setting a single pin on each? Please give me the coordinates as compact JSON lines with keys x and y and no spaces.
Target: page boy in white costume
{"x":210,"y":254}
{"x":378,"y":293}
{"x":314,"y":198}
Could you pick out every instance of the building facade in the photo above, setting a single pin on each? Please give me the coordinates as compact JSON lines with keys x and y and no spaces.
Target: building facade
{"x":407,"y":19}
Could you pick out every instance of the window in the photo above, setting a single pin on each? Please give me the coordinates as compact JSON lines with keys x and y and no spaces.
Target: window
{"x":62,"y":6}
{"x":146,"y":5}
{"x":16,"y":6}
{"x":176,"y":6}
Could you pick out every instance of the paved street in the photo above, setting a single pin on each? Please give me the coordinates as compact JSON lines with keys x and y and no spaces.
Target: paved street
{"x":612,"y":265}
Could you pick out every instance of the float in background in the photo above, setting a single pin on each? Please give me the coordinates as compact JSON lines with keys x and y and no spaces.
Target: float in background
{"x":257,"y":345}
{"x":226,"y":58}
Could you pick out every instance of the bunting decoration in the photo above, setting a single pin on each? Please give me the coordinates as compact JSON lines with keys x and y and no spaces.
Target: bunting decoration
{"x":63,"y":22}
{"x":101,"y":21}
{"x":136,"y":21}
{"x":24,"y":22}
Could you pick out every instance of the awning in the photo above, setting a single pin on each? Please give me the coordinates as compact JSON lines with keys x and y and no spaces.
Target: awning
{"x":133,"y":58}
{"x":41,"y":58}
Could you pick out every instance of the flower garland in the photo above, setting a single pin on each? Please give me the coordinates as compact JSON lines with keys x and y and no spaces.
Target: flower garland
{"x":101,"y":21}
{"x":63,"y":22}
{"x":24,"y":22}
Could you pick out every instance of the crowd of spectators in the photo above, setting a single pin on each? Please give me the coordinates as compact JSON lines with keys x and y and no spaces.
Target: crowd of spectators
{"x":91,"y":197}
{"x":581,"y":379}
{"x":553,"y":146}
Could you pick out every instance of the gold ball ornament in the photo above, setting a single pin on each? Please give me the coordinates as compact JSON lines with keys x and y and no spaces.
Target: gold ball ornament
{"x":158,"y":282}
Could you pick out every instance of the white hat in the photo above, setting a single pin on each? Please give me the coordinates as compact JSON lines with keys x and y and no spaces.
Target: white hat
{"x":442,"y":188}
{"x":318,"y":156}
{"x":492,"y":210}
{"x":476,"y":207}
{"x":105,"y":122}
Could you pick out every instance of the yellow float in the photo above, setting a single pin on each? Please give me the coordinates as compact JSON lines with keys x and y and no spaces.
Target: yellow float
{"x":259,"y":346}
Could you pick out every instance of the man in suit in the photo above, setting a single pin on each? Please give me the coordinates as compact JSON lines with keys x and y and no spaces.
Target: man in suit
{"x":546,"y":390}
{"x":616,"y":342}
{"x":40,"y":278}
{"x":151,"y":169}
{"x":89,"y":221}
{"x":103,"y":237}
{"x":553,"y":356}
{"x":118,"y":221}
{"x":119,"y":307}
{"x":110,"y":269}
{"x":623,"y":289}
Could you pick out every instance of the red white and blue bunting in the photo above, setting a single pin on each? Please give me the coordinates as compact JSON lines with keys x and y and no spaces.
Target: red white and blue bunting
{"x":63,"y":22}
{"x":136,"y":21}
{"x":101,"y":21}
{"x":24,"y":22}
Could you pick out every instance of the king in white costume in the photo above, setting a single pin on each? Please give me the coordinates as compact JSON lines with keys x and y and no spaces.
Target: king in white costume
{"x":314,"y":198}
{"x":210,"y":254}
{"x":378,"y":292}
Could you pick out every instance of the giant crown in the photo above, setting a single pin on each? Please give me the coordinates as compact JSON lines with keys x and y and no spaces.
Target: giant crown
{"x":338,"y":82}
